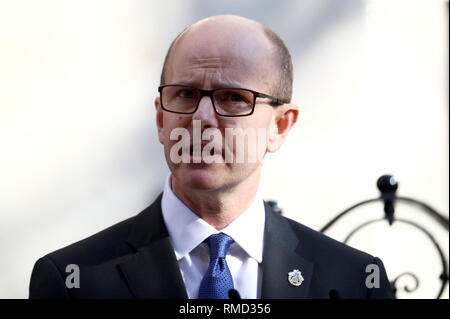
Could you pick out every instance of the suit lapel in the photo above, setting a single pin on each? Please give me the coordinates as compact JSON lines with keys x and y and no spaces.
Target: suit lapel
{"x":152,"y":272}
{"x":280,"y":256}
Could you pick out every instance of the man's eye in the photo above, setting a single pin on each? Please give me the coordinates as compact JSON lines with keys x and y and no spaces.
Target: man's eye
{"x":188,"y":94}
{"x":236,"y":98}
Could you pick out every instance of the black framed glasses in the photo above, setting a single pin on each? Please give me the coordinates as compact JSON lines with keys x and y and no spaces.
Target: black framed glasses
{"x":231,"y":102}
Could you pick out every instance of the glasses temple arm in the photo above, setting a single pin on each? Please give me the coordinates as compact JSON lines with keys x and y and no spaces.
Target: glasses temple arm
{"x":274,"y":99}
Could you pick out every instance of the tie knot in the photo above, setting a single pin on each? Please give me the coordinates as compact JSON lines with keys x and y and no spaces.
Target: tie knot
{"x":219,"y":244}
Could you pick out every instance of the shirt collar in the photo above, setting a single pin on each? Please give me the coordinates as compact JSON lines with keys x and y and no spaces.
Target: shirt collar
{"x":187,"y":230}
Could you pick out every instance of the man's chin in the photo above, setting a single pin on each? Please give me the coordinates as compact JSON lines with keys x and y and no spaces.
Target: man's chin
{"x":206,"y":177}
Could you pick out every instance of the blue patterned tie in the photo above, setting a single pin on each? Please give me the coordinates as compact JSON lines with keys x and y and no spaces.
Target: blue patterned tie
{"x":217,"y":281}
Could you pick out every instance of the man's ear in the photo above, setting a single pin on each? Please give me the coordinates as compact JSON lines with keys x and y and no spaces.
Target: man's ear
{"x":159,"y":119}
{"x":284,"y":119}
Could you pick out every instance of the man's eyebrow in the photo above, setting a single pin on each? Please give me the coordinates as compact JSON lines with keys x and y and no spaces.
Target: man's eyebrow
{"x":214,"y":84}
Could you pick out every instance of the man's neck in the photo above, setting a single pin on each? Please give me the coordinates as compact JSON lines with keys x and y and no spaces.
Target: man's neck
{"x":219,"y":208}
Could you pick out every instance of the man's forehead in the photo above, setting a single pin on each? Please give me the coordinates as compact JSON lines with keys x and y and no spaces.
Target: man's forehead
{"x":219,"y":68}
{"x":222,"y":42}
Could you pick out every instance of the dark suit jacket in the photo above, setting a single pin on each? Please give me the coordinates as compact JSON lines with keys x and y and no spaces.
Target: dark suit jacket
{"x":135,"y":259}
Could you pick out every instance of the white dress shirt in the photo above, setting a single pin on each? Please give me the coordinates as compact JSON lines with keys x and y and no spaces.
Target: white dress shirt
{"x":187,"y":232}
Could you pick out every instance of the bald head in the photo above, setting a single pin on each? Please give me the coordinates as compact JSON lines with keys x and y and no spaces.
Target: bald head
{"x":229,"y":34}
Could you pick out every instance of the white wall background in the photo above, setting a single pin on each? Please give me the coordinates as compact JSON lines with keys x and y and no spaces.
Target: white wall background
{"x":78,"y":146}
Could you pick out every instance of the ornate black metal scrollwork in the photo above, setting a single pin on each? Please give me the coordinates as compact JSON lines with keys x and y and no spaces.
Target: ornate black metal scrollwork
{"x":388,"y":187}
{"x":405,"y":288}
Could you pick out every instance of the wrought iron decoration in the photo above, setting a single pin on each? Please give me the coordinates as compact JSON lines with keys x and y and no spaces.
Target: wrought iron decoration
{"x":388,"y":186}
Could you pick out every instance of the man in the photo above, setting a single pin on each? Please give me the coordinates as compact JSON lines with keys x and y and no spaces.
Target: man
{"x":210,"y":234}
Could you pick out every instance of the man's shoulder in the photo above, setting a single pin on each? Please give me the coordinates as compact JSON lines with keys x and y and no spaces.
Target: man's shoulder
{"x":97,"y":258}
{"x":315,"y":244}
{"x":112,"y":242}
{"x":107,"y":244}
{"x":338,"y":266}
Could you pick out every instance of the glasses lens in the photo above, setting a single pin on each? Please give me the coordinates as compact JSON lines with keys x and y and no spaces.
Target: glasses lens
{"x":234,"y":102}
{"x":177,"y":98}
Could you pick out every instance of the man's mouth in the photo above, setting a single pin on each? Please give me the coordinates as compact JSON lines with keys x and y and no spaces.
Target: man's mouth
{"x":197,"y":153}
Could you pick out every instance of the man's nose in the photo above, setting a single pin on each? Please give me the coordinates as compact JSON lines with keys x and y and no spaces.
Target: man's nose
{"x":206,"y":113}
